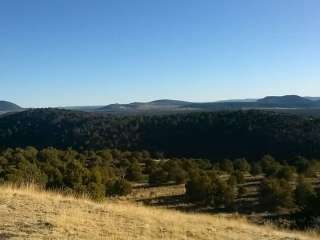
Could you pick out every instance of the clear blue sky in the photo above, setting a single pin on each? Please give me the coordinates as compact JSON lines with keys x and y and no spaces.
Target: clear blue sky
{"x":96,"y":52}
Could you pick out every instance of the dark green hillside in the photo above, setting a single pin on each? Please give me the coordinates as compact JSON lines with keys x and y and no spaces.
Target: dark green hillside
{"x":210,"y":135}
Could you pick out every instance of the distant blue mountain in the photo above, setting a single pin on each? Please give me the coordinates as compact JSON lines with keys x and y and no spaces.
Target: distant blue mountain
{"x":287,"y":101}
{"x":8,"y":106}
{"x":313,"y":98}
{"x":158,"y":105}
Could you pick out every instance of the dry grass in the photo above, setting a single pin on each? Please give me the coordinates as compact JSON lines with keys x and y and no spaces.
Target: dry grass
{"x":31,"y":214}
{"x":146,"y":192}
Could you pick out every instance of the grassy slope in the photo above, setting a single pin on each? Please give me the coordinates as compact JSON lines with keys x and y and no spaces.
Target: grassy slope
{"x":31,"y":214}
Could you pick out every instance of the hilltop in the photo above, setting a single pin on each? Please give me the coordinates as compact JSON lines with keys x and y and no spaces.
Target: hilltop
{"x":8,"y":106}
{"x":32,"y":214}
{"x":166,"y":105}
{"x":157,"y":105}
{"x":288,"y":101}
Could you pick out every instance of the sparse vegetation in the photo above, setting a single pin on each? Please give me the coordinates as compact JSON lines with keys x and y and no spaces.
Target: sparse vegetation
{"x":28,"y":213}
{"x":222,"y":187}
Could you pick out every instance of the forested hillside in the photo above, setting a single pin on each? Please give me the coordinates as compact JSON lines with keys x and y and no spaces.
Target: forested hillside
{"x":214,"y":135}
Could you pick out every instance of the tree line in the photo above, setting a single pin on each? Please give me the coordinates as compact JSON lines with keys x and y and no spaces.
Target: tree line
{"x":211,"y":135}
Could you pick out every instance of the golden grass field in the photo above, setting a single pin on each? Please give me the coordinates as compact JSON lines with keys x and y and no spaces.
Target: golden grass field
{"x":28,"y":213}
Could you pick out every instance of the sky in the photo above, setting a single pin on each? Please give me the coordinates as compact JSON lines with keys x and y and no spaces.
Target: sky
{"x":97,"y":52}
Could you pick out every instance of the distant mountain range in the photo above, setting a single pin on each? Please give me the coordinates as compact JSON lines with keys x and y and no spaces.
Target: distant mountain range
{"x":163,"y":105}
{"x":172,"y":106}
{"x":166,"y":105}
{"x":313,"y":98}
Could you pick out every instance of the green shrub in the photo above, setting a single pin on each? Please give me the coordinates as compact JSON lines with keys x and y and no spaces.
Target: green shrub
{"x":239,"y":176}
{"x":302,"y":164}
{"x":210,"y":190}
{"x":158,"y":177}
{"x":76,"y":175}
{"x":304,"y":195}
{"x":242,"y":165}
{"x":25,"y":173}
{"x":275,"y":194}
{"x":269,"y":165}
{"x":222,"y":194}
{"x":134,"y":172}
{"x":286,"y":173}
{"x":150,"y":166}
{"x":256,"y":169}
{"x":119,"y":187}
{"x":55,"y":177}
{"x":232,"y":180}
{"x":177,"y":174}
{"x":227,"y":166}
{"x":96,"y":191}
{"x":199,"y":188}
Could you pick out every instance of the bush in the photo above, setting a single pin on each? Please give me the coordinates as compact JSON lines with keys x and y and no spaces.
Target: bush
{"x":134,"y":172}
{"x":96,"y":191}
{"x":180,"y":176}
{"x":158,"y":177}
{"x":55,"y":177}
{"x":151,"y":165}
{"x":25,"y":173}
{"x":311,"y":169}
{"x":239,"y":176}
{"x":210,"y":190}
{"x":269,"y":165}
{"x":177,"y":174}
{"x":119,"y":187}
{"x":222,"y":194}
{"x":256,"y":169}
{"x":198,"y":189}
{"x":242,"y":165}
{"x":302,"y":164}
{"x":76,"y":176}
{"x":235,"y":178}
{"x":275,"y":194}
{"x":304,"y":195}
{"x":286,"y":173}
{"x":227,"y":166}
{"x":232,"y":180}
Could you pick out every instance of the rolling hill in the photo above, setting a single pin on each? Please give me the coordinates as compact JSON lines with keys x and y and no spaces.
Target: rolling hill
{"x":28,"y":213}
{"x":8,"y":106}
{"x":269,"y":102}
{"x":288,"y":101}
{"x":158,"y":105}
